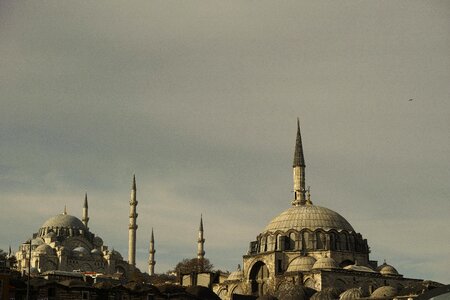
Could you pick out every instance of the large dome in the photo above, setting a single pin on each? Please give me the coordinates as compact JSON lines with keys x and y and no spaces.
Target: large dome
{"x":64,"y":220}
{"x":308,"y":217}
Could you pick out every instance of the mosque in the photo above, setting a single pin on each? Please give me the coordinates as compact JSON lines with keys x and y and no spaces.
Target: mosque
{"x":65,"y":243}
{"x":305,"y":249}
{"x":309,"y":247}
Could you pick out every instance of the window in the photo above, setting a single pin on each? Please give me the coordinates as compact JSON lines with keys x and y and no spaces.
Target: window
{"x":279,"y":266}
{"x":85,"y":295}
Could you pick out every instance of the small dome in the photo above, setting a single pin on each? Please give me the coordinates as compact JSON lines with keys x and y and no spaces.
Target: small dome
{"x":387,"y":270}
{"x":98,"y":242}
{"x":64,"y":221}
{"x":326,"y":294}
{"x":45,"y":249}
{"x":310,"y":217}
{"x":80,"y":251}
{"x":384,"y":292}
{"x":236,"y":275}
{"x":351,"y":294}
{"x":325,"y":263}
{"x":301,"y":264}
{"x":116,"y":254}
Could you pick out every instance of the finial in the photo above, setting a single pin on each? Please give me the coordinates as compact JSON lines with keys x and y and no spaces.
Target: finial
{"x":152,"y":238}
{"x":308,"y":199}
{"x":134,"y":182}
{"x":239,"y":267}
{"x":299,"y":160}
{"x":65,"y":210}
{"x":85,"y":200}
{"x":384,"y":263}
{"x":201,"y":223}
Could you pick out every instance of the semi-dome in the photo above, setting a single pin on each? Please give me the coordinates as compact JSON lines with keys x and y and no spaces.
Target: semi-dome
{"x":64,"y":221}
{"x":308,"y":217}
{"x":359,"y":268}
{"x":325,"y":263}
{"x":45,"y":249}
{"x":37,"y":242}
{"x":80,"y":251}
{"x":96,"y":252}
{"x":301,"y":264}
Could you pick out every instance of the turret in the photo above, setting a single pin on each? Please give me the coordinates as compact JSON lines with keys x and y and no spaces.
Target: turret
{"x":299,"y":171}
{"x":85,"y":218}
{"x":151,"y":258}
{"x":132,"y":227}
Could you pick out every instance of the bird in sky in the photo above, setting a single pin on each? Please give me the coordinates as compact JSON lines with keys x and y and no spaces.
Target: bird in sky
{"x":411,"y":99}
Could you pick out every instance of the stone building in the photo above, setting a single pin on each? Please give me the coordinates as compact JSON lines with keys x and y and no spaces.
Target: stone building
{"x":311,"y":248}
{"x":65,"y":243}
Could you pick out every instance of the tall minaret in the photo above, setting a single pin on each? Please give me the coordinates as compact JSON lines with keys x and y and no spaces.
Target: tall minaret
{"x":85,"y":218}
{"x":151,"y":258}
{"x":200,"y":243}
{"x":133,"y":226}
{"x":299,"y":171}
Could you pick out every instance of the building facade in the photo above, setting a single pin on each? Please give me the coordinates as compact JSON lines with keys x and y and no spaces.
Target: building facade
{"x":308,"y":248}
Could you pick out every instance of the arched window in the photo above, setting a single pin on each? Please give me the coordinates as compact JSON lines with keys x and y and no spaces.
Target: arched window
{"x":259,"y":274}
{"x":292,"y":240}
{"x":279,"y":243}
{"x":263,"y":247}
{"x":320,"y":240}
{"x":271,"y":243}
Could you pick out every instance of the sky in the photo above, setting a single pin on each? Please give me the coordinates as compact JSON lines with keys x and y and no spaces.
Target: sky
{"x":200,"y":100}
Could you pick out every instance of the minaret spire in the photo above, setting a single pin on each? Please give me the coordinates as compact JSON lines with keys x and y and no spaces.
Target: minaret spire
{"x":151,"y":258}
{"x":299,"y":170}
{"x":85,"y":218}
{"x":132,"y":227}
{"x":200,"y":245}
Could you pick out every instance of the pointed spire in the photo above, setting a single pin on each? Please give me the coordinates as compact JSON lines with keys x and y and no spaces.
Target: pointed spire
{"x":65,"y":210}
{"x":200,"y":243}
{"x":134,"y":182}
{"x":299,"y":171}
{"x":201,"y":223}
{"x":299,"y":160}
{"x":85,"y":218}
{"x":153,"y":237}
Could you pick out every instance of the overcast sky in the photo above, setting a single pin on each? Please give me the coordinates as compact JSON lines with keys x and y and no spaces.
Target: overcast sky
{"x":200,"y":98}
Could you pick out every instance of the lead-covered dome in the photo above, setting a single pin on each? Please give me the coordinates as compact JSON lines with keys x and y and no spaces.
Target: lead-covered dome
{"x":64,"y":221}
{"x":308,"y":217}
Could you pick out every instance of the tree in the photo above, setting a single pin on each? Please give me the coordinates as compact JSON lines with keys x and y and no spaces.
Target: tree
{"x":2,"y":256}
{"x":187,"y":266}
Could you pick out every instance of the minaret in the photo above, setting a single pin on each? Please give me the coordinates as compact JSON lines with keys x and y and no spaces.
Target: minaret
{"x":151,"y":258}
{"x":200,"y":245}
{"x":299,"y":171}
{"x":132,"y":226}
{"x":85,"y":218}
